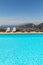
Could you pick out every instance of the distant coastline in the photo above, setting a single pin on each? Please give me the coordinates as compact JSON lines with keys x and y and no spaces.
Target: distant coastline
{"x":24,"y":29}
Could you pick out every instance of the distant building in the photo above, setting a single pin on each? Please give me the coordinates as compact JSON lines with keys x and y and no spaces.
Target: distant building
{"x":14,"y":29}
{"x":8,"y":29}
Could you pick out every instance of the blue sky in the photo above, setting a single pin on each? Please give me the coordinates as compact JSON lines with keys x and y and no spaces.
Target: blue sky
{"x":21,"y":11}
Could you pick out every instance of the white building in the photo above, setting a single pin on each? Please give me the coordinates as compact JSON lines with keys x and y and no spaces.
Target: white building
{"x":14,"y":29}
{"x":8,"y":29}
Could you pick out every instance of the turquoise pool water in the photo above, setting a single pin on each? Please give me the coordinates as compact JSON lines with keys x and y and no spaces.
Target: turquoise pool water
{"x":21,"y":49}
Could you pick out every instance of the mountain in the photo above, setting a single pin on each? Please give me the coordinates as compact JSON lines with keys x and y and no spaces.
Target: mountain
{"x":30,"y":25}
{"x":40,"y":25}
{"x":6,"y":26}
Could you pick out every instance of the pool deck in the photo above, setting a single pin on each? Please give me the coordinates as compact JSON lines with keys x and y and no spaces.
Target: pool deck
{"x":21,"y":33}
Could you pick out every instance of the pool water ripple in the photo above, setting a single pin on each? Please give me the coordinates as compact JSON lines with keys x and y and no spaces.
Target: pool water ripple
{"x":21,"y":50}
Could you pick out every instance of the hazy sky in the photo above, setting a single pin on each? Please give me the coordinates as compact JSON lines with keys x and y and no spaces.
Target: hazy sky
{"x":21,"y":11}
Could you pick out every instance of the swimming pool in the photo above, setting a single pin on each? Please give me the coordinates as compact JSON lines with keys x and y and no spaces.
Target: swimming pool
{"x":21,"y":49}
